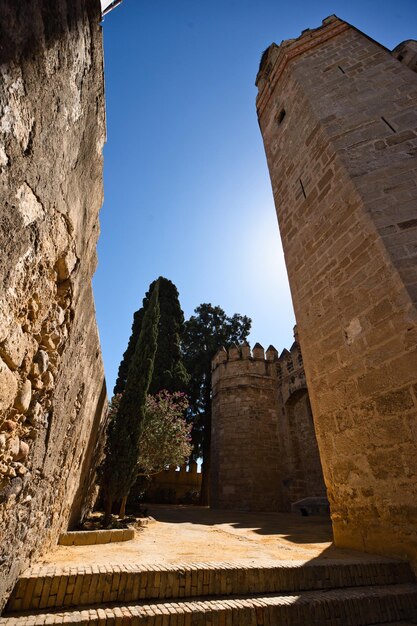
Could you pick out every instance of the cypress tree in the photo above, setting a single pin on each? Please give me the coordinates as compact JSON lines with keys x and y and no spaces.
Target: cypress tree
{"x":169,"y":372}
{"x":130,"y":350}
{"x":119,"y":469}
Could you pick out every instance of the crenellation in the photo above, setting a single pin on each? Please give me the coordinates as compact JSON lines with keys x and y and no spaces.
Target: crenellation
{"x":245,"y":350}
{"x":234,"y":353}
{"x":174,"y":485}
{"x":220,"y":357}
{"x":271,"y":354}
{"x":258,"y":352}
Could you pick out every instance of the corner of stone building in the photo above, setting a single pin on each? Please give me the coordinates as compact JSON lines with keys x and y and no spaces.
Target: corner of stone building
{"x":276,"y":54}
{"x":52,"y":392}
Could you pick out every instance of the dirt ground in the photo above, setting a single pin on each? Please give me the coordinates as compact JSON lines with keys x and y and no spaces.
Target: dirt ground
{"x":183,"y":534}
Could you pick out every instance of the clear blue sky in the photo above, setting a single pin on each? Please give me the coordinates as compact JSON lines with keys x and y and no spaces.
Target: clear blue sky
{"x":187,"y":190}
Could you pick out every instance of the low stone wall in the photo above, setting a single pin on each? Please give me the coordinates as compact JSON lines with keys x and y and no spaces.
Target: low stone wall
{"x":175,"y":487}
{"x":94,"y":537}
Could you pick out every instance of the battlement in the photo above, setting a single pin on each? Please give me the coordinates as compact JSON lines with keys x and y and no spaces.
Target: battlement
{"x":243,"y":360}
{"x":175,"y":485}
{"x":243,"y":352}
{"x":275,"y":58}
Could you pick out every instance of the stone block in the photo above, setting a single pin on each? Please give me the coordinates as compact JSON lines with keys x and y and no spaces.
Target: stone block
{"x":8,"y":386}
{"x":24,"y":397}
{"x":13,"y":348}
{"x":103,"y":536}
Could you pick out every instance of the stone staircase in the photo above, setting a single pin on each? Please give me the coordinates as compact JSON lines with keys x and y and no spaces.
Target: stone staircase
{"x":351,"y":592}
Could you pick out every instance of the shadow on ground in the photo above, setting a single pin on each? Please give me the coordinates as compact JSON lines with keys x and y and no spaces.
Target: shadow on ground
{"x":290,"y":526}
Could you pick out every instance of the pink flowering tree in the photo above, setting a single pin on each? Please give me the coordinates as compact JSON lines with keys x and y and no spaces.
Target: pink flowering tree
{"x":165,"y":437}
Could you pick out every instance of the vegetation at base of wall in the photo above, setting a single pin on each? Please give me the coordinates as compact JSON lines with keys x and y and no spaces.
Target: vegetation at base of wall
{"x":119,"y":468}
{"x":204,"y":333}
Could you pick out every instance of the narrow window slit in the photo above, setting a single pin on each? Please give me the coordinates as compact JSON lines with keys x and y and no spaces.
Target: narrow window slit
{"x":341,"y":69}
{"x":302,"y":188}
{"x":388,"y":124}
{"x":280,"y":117}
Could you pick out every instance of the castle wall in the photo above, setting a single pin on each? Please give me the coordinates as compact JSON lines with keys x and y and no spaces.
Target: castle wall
{"x":338,"y":117}
{"x":175,"y":487}
{"x":264,"y":450}
{"x":302,"y":475}
{"x":52,"y":391}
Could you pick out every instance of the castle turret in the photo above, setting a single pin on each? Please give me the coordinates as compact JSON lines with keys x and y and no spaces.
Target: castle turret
{"x":406,"y":52}
{"x":245,"y":456}
{"x":264,"y":452}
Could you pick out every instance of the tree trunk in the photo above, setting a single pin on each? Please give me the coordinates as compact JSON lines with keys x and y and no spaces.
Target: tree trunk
{"x":108,"y":505}
{"x":122,"y":511}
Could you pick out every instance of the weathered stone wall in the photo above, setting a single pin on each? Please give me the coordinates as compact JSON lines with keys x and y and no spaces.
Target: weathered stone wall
{"x":264,"y":450}
{"x":52,"y":390}
{"x":302,"y":475}
{"x":339,"y":120}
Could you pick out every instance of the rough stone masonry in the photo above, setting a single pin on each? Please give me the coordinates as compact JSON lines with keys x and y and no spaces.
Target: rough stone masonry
{"x":338,"y":115}
{"x":52,"y":392}
{"x":264,"y":448}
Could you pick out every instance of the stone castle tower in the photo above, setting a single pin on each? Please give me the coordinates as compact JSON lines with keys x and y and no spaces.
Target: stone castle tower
{"x":338,"y":116}
{"x":264,"y":450}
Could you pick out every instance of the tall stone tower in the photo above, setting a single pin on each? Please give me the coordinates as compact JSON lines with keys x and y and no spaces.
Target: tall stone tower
{"x":338,"y":115}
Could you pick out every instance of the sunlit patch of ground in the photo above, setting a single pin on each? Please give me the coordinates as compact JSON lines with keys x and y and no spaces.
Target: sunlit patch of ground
{"x":198,"y":534}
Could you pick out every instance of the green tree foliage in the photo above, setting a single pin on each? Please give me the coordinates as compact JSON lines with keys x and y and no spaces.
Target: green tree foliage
{"x":204,"y":333}
{"x":119,"y":469}
{"x":169,"y":371}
